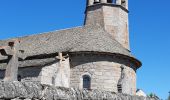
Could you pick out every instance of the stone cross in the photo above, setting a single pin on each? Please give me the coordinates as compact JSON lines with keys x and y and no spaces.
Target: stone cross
{"x":61,"y":57}
{"x":62,"y":75}
{"x":12,"y":65}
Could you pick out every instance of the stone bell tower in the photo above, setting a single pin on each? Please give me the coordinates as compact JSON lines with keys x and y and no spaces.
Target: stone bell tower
{"x":112,"y":15}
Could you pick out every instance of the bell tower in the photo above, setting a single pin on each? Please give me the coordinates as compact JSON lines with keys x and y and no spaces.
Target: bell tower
{"x":112,"y":15}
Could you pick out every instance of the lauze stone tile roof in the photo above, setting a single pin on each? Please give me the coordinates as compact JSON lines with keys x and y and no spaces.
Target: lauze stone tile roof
{"x":79,"y":39}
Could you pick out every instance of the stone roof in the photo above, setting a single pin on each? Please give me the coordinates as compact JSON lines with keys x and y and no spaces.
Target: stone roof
{"x":79,"y":39}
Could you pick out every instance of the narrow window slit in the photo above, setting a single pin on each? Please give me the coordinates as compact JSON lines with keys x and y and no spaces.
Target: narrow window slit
{"x":119,"y":88}
{"x":19,"y":78}
{"x":86,"y":82}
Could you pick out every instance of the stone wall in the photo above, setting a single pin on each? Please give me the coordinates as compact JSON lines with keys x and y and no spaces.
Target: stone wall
{"x":36,"y":91}
{"x":104,"y":71}
{"x":94,"y":16}
{"x":57,"y":74}
{"x":48,"y":72}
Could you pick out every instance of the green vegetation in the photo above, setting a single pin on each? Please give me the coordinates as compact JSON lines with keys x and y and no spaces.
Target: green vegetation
{"x":152,"y":95}
{"x":169,"y":96}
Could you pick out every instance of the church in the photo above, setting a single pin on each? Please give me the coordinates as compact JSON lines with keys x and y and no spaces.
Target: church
{"x":94,"y":56}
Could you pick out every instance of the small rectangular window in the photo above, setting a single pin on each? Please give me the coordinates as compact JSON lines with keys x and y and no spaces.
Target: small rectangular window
{"x":86,"y":82}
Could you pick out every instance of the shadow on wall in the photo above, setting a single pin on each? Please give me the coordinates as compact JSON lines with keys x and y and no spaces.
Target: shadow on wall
{"x":28,"y":73}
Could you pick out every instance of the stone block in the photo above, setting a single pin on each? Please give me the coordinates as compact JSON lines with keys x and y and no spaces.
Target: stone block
{"x":105,"y":70}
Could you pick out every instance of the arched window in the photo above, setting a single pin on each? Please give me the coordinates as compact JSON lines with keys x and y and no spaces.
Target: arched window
{"x":19,"y":77}
{"x":53,"y":81}
{"x":86,"y":81}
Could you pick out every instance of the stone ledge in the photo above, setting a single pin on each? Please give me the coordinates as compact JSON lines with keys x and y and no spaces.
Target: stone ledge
{"x":37,"y":91}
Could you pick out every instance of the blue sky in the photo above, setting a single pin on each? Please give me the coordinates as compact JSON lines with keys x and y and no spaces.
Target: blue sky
{"x":149,"y":31}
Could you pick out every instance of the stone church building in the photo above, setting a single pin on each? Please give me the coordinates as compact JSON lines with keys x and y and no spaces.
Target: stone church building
{"x":94,"y":56}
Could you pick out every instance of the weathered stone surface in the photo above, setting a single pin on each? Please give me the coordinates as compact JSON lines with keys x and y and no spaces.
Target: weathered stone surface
{"x":113,"y":18}
{"x":37,"y":91}
{"x":57,"y":74}
{"x":12,"y":64}
{"x":104,"y":71}
{"x":105,"y":33}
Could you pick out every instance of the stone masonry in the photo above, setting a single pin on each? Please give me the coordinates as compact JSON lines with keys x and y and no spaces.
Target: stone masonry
{"x":57,"y":74}
{"x":113,"y":18}
{"x":104,"y":71}
{"x":36,"y":91}
{"x":94,"y":56}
